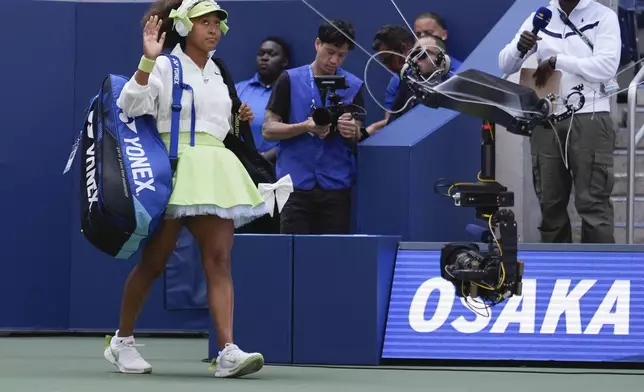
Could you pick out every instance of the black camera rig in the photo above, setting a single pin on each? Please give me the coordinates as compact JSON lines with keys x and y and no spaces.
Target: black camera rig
{"x":329,"y":114}
{"x":494,"y":275}
{"x":328,"y":85}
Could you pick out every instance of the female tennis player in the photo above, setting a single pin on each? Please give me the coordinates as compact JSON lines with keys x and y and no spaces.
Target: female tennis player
{"x":212,"y":191}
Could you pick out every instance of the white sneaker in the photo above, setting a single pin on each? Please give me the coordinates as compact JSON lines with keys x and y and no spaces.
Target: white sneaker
{"x":122,"y":353}
{"x":233,"y":362}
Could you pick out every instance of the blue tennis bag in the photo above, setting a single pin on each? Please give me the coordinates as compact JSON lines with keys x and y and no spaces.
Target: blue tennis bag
{"x":127,"y":171}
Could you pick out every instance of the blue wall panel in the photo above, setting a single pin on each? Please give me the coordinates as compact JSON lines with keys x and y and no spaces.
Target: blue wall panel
{"x":185,"y":282}
{"x":37,"y":130}
{"x":97,"y":284}
{"x":262,"y":268}
{"x":405,"y":202}
{"x":112,"y":46}
{"x":340,"y":298}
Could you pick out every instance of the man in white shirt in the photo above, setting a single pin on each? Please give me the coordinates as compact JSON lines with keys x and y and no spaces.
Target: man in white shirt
{"x":583,"y":42}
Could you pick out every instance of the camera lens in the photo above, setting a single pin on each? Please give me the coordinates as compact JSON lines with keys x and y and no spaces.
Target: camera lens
{"x":321,"y":116}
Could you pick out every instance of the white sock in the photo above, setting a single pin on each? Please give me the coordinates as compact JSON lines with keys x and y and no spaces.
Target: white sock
{"x":119,"y":339}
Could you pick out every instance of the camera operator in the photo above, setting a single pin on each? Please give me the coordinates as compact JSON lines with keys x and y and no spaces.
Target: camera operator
{"x":319,"y":159}
{"x":583,"y":42}
{"x":426,"y":66}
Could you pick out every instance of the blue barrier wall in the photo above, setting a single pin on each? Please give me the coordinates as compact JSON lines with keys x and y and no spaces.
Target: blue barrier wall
{"x":340,"y":296}
{"x":50,"y":85}
{"x":399,"y":166}
{"x":263,"y":276}
{"x":37,"y":110}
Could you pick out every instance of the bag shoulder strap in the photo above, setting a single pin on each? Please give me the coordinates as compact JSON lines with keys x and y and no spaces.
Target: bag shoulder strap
{"x":567,"y":22}
{"x":228,"y":80}
{"x":242,"y":128}
{"x":177,"y":91}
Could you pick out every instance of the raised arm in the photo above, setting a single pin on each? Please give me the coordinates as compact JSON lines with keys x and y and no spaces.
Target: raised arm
{"x":139,"y":95}
{"x":509,"y":57}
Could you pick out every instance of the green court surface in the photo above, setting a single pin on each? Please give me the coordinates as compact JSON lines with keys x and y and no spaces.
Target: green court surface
{"x":76,"y":364}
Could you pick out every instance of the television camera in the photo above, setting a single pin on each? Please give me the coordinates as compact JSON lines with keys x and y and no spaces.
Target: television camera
{"x":328,"y":86}
{"x":496,"y":274}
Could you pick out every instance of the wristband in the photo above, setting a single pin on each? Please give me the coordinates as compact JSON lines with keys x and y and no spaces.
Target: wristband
{"x":146,"y":65}
{"x":364,"y":134}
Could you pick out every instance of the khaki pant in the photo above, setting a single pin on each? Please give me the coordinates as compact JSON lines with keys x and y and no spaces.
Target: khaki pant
{"x":590,"y":161}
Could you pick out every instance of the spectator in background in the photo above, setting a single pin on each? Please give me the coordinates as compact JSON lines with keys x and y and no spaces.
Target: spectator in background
{"x":396,"y":39}
{"x":273,"y":57}
{"x":321,"y":165}
{"x":430,"y":24}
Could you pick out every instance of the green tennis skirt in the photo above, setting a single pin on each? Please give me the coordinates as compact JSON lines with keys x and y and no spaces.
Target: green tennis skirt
{"x":210,"y":180}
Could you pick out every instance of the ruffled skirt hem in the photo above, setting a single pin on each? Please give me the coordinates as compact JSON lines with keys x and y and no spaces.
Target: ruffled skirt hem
{"x":240,"y":214}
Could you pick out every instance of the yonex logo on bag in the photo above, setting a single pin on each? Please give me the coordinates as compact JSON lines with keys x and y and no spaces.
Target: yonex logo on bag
{"x":90,"y":164}
{"x":141,"y":169}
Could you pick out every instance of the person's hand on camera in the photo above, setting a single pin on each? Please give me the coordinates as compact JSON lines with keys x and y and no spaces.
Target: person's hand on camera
{"x":152,"y":43}
{"x":246,"y":113}
{"x":320,"y":130}
{"x":527,"y":41}
{"x":348,"y":127}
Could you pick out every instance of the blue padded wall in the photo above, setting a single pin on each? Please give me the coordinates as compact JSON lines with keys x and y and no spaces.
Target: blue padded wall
{"x":340,"y":298}
{"x":262,"y":269}
{"x":37,"y":129}
{"x":396,"y":184}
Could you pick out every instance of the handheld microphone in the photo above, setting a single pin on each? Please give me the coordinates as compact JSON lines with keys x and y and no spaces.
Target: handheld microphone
{"x":539,"y":22}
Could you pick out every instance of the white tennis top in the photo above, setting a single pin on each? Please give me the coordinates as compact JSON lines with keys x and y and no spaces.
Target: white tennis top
{"x":212,"y":101}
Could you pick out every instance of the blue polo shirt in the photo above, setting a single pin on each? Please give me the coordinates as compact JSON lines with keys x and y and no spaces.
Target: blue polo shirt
{"x":394,"y":83}
{"x":255,"y":94}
